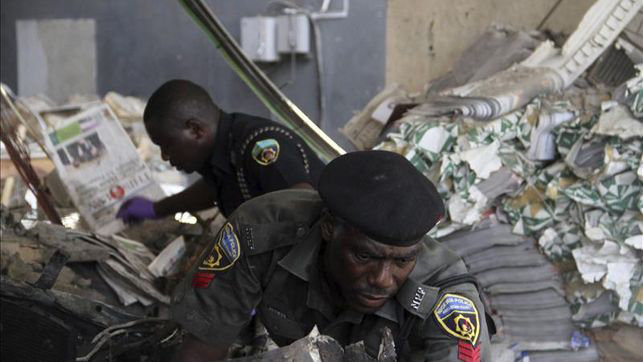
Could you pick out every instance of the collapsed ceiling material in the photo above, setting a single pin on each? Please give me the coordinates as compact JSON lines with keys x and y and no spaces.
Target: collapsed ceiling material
{"x":539,"y":158}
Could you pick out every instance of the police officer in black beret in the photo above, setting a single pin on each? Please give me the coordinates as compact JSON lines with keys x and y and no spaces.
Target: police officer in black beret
{"x":351,"y":260}
{"x":239,"y":156}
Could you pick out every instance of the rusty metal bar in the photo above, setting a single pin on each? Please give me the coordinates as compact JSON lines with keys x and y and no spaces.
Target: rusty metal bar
{"x":9,"y":121}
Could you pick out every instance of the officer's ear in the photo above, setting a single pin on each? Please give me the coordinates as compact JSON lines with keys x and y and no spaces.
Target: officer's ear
{"x":195,"y":129}
{"x":327,"y":226}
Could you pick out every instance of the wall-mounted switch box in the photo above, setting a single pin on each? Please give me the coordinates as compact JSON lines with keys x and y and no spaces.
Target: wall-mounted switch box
{"x":259,"y":38}
{"x":293,"y":34}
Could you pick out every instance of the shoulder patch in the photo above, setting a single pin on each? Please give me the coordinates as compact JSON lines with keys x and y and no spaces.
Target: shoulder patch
{"x":459,"y":317}
{"x":224,"y":253}
{"x":266,"y":151}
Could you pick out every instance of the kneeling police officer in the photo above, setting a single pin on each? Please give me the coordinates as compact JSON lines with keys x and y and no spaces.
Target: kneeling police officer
{"x":351,"y":259}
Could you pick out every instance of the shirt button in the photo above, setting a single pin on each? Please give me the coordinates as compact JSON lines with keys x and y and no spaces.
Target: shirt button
{"x":301,"y":231}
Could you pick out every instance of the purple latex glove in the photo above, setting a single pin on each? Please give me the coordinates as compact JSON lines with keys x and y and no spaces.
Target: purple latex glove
{"x":136,"y":209}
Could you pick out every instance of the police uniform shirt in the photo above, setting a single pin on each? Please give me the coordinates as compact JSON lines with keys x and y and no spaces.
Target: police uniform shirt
{"x":266,"y":258}
{"x":254,"y":156}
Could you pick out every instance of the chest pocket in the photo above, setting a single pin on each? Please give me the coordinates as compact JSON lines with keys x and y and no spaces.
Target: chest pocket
{"x":281,"y":328}
{"x":279,"y":308}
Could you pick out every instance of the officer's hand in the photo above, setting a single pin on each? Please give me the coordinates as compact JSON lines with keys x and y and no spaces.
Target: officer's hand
{"x":136,"y":209}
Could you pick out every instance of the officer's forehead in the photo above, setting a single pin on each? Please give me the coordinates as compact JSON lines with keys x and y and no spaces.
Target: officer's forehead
{"x":161,"y":128}
{"x":358,"y":240}
{"x":381,"y":250}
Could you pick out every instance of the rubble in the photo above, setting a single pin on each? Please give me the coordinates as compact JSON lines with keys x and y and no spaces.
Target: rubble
{"x":120,"y":261}
{"x":553,"y":173}
{"x":51,"y":281}
{"x":578,"y":197}
{"x":316,"y":347}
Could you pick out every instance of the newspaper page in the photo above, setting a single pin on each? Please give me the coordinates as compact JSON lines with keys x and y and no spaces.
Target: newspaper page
{"x":99,"y":166}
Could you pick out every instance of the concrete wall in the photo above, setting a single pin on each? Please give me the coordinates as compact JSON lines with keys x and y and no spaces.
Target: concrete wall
{"x":424,"y":37}
{"x":142,"y":43}
{"x":56,"y":57}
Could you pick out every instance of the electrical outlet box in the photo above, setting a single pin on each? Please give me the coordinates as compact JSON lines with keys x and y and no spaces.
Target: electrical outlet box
{"x":293,"y":34}
{"x":259,"y":38}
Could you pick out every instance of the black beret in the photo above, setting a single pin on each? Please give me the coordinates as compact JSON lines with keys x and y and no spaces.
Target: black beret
{"x":382,"y":195}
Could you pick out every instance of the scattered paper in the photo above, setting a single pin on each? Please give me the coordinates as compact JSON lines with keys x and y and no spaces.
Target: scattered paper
{"x":483,"y":160}
{"x":167,"y":262}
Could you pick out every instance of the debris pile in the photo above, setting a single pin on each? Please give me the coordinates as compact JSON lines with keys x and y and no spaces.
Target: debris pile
{"x":561,"y":173}
{"x":537,"y":152}
{"x":74,"y":285}
{"x":81,"y":271}
{"x":550,"y":171}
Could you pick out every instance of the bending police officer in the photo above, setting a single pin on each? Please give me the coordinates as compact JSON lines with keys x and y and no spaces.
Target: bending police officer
{"x":238,"y":156}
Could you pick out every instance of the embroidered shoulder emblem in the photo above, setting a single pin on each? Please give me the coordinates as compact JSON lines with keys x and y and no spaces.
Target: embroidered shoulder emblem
{"x":459,"y":317}
{"x":224,"y":253}
{"x":266,"y":151}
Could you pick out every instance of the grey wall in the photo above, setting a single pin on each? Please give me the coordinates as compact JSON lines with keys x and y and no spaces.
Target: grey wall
{"x":426,"y":37}
{"x":56,"y":57}
{"x":142,"y":43}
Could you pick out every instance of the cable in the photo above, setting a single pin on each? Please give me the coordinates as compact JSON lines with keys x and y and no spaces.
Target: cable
{"x":106,"y":335}
{"x":291,"y":45}
{"x":320,"y":67}
{"x":549,"y":13}
{"x":319,"y":62}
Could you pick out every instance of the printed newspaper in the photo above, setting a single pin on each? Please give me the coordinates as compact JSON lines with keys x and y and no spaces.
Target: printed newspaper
{"x":99,"y":166}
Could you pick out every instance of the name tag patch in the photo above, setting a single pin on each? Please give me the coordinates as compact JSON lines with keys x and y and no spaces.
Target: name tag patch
{"x":266,"y":151}
{"x":418,"y":298}
{"x":224,"y":253}
{"x":459,"y":317}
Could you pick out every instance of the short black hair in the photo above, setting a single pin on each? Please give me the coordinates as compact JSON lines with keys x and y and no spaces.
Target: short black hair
{"x":176,"y":100}
{"x":339,"y":225}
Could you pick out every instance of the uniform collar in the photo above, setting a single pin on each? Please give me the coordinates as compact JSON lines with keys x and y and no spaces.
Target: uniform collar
{"x":389,"y":310}
{"x":415,"y":296}
{"x":303,"y":262}
{"x":220,"y":159}
{"x":302,"y":258}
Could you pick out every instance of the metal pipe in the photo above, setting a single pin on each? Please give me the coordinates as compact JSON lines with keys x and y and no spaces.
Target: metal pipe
{"x":325,"y":14}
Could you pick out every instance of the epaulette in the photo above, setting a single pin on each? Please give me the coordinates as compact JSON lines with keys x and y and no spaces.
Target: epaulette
{"x":418,"y":294}
{"x":417,"y":298}
{"x":261,"y":238}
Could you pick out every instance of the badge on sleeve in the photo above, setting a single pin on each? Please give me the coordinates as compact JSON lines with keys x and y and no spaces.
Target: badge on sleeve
{"x":459,"y":317}
{"x":224,"y":253}
{"x":266,"y":151}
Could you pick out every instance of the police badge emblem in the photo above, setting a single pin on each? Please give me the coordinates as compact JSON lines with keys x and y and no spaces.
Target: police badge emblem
{"x":224,"y":253}
{"x":459,"y":317}
{"x":266,"y":151}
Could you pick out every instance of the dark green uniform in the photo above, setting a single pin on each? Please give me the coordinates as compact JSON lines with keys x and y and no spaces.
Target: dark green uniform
{"x":268,"y":258}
